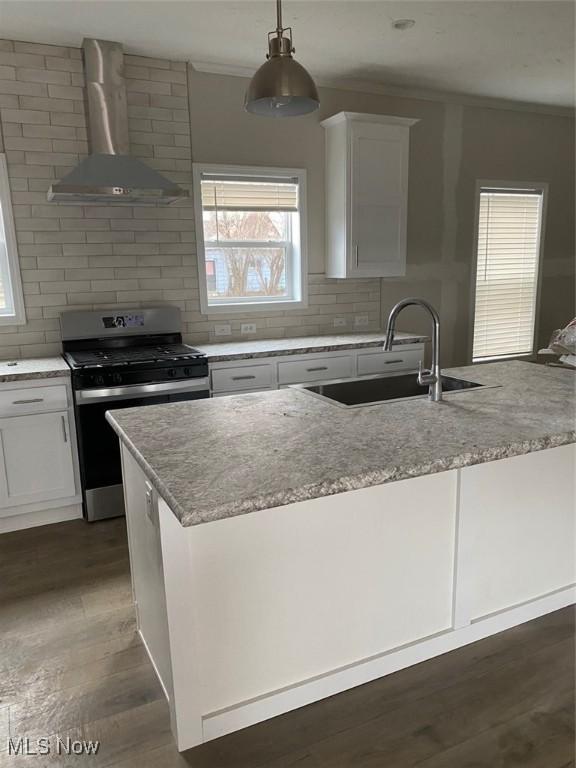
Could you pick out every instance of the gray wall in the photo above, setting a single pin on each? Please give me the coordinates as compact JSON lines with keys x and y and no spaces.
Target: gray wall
{"x":94,"y":257}
{"x":452,"y":146}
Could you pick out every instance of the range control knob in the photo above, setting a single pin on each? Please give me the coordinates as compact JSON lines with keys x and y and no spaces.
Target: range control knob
{"x":116,"y":378}
{"x":187,"y":372}
{"x":172,"y":373}
{"x":99,"y":380}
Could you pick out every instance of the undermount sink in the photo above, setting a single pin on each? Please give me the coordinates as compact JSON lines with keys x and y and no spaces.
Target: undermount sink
{"x":381,"y":389}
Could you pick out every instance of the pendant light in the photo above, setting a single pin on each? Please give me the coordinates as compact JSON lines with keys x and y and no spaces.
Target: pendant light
{"x":281,"y":87}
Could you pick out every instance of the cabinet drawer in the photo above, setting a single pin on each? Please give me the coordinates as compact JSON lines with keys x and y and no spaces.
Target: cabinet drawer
{"x":388,"y":362}
{"x":14,"y":402}
{"x":316,"y":369}
{"x":242,"y":377}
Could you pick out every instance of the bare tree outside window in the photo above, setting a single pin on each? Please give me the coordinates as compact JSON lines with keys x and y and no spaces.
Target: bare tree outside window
{"x":257,"y":269}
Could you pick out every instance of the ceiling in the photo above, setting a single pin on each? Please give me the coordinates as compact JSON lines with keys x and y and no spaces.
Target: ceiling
{"x":521,"y":50}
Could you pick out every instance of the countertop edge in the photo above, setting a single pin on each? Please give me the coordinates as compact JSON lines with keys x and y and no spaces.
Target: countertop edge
{"x":31,"y":376}
{"x":343,"y":484}
{"x":304,"y":350}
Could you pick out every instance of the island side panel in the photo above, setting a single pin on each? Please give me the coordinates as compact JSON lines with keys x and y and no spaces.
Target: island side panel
{"x":516,"y":531}
{"x":146,"y":567}
{"x":284,"y":595}
{"x":187,"y":704}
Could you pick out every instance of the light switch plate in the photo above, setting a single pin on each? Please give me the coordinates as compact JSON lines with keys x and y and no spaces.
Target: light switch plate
{"x":339,"y":322}
{"x":222,"y":329}
{"x":247,"y":328}
{"x":361,"y":320}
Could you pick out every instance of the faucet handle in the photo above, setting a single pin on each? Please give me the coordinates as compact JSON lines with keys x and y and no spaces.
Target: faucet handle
{"x":425,"y":375}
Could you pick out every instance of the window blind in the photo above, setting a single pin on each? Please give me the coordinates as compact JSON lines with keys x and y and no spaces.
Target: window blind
{"x":509,"y":227}
{"x":254,"y":194}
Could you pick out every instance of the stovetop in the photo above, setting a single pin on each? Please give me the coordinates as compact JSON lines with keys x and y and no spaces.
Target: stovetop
{"x":112,"y":364}
{"x":125,"y":356}
{"x":128,"y":347}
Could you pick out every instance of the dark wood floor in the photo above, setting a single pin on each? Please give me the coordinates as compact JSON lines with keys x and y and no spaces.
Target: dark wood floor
{"x":71,"y":664}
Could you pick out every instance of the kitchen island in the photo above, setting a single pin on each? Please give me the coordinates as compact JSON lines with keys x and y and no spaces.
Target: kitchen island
{"x":284,"y":548}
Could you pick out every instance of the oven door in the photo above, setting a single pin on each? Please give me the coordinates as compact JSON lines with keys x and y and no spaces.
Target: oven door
{"x":98,"y":444}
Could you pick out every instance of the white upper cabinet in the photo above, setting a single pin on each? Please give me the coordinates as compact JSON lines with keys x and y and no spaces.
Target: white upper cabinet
{"x":366,"y":194}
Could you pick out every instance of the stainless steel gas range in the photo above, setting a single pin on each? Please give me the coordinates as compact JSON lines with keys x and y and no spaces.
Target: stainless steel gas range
{"x":122,"y":359}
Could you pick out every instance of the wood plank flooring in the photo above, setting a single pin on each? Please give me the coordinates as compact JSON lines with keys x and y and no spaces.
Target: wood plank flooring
{"x":71,"y":664}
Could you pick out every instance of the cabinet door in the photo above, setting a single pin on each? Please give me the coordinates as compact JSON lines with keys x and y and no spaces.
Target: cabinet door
{"x":35,"y":459}
{"x":378,"y":203}
{"x":516,"y":531}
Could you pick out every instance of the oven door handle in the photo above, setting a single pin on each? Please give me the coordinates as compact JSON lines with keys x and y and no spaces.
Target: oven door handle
{"x":109,"y":394}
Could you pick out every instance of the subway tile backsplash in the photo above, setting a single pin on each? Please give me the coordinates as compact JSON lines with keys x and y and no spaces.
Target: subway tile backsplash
{"x":104,"y":256}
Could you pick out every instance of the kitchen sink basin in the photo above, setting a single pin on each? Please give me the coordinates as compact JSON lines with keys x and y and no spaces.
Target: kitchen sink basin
{"x":380,"y":389}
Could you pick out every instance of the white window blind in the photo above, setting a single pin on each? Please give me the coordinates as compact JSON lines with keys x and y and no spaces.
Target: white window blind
{"x":238,"y":194}
{"x":509,"y":226}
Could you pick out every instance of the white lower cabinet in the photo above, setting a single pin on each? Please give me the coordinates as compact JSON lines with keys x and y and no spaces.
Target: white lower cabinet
{"x":315,"y":369}
{"x":517,"y":531}
{"x":253,"y":616}
{"x":370,"y":363}
{"x":39,"y":473}
{"x":36,"y":459}
{"x":232,"y":377}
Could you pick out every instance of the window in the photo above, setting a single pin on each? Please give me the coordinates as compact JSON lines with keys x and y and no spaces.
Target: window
{"x":251,"y":249}
{"x":507,"y":271}
{"x":11,"y":301}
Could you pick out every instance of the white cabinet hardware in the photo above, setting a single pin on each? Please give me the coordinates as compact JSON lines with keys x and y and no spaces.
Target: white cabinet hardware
{"x":366,"y":194}
{"x":150,"y":505}
{"x":64,"y":430}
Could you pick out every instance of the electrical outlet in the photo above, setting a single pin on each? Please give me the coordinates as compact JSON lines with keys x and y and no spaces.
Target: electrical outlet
{"x":361,"y":320}
{"x":222,"y":329}
{"x":247,"y":328}
{"x":339,"y":322}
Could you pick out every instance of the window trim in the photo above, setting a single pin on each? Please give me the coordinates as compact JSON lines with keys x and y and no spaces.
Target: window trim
{"x":540,"y":186}
{"x":247,"y":306}
{"x":18,"y":317}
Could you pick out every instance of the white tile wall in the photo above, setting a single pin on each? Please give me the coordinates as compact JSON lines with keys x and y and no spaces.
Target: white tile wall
{"x":100,"y":256}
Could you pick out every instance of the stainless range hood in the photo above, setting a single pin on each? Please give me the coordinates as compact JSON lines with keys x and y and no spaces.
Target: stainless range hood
{"x":110,"y":175}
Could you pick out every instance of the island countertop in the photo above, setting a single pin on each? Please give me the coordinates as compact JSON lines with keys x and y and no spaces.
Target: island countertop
{"x":218,"y":458}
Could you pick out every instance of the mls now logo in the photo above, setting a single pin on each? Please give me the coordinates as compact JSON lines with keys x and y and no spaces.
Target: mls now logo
{"x":52,"y":745}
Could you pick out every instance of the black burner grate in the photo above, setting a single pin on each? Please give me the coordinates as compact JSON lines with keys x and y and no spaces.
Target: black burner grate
{"x":150,"y":354}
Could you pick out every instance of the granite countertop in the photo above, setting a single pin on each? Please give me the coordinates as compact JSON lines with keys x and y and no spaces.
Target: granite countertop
{"x":214,"y":459}
{"x":33,"y":368}
{"x":247,"y":350}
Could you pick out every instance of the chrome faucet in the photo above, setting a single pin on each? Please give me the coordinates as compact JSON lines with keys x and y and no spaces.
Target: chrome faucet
{"x":432,"y":377}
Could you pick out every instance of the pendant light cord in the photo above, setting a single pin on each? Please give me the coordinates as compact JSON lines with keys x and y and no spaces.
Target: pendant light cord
{"x":279,"y":17}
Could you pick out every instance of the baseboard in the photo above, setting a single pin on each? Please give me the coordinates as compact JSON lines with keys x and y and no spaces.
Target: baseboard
{"x":40,"y":517}
{"x":278,"y":702}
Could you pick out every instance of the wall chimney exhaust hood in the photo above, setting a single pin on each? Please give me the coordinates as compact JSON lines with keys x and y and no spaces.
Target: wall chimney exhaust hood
{"x":110,"y":175}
